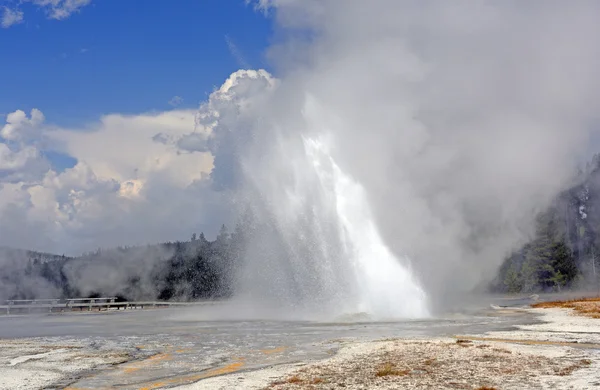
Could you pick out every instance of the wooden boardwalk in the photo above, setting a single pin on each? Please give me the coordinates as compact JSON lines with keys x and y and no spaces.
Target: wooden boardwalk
{"x":29,"y":306}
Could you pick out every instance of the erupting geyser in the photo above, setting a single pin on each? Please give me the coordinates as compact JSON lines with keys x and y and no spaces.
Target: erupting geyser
{"x":386,"y":287}
{"x":446,"y":128}
{"x":313,"y":249}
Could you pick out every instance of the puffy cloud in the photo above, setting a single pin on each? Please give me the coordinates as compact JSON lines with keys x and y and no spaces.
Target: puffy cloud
{"x":125,"y":188}
{"x":124,"y":148}
{"x":20,"y":159}
{"x":193,"y":142}
{"x":229,"y":119}
{"x":21,"y":164}
{"x":18,"y":127}
{"x":10,"y":160}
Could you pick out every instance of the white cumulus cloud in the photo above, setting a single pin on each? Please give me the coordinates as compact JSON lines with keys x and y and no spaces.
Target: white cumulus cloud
{"x":18,"y":126}
{"x":125,"y":188}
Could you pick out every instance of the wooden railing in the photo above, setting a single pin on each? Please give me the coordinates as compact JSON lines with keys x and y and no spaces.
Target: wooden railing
{"x":20,"y":306}
{"x":32,"y":301}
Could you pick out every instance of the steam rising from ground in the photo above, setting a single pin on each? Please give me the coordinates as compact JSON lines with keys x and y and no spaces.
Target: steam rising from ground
{"x":461,"y":120}
{"x":14,"y":278}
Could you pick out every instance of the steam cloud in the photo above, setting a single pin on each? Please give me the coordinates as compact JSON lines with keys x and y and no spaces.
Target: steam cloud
{"x":462,"y":120}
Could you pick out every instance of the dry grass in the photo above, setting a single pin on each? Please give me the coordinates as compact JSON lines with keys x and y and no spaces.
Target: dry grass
{"x":294,"y":379}
{"x":486,"y":388}
{"x":575,"y":366}
{"x":389,"y":369}
{"x":297,"y":380}
{"x":589,"y":307}
{"x":464,"y":343}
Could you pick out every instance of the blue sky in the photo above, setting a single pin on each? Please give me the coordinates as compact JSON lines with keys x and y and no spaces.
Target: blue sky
{"x":125,"y":57}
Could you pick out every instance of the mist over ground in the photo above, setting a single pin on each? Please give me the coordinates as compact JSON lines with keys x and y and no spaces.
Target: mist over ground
{"x":461,"y":121}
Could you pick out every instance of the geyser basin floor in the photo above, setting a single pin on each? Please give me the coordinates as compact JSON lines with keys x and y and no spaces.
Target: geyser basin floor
{"x":562,"y":352}
{"x":163,"y":348}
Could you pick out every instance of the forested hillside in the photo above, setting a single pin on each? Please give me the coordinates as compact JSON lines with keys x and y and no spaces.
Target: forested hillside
{"x":564,"y":252}
{"x":190,"y":270}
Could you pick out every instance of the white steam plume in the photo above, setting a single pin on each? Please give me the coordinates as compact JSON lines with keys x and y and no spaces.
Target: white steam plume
{"x":460,"y":119}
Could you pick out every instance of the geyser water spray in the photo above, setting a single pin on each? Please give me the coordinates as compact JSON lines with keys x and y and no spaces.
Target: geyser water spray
{"x":315,"y":251}
{"x":386,"y":288}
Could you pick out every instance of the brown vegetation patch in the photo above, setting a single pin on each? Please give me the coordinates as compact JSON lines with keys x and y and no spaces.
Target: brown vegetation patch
{"x":535,"y":342}
{"x":575,"y":366}
{"x":589,"y":307}
{"x":389,"y":369}
{"x":294,"y":379}
{"x":418,"y":365}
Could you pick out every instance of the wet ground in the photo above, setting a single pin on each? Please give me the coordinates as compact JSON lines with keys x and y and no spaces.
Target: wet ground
{"x":170,"y":347}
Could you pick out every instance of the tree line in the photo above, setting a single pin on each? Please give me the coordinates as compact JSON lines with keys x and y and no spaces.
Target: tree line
{"x":564,"y":252}
{"x":182,"y":271}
